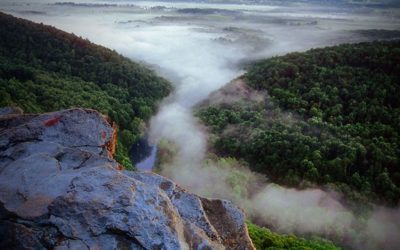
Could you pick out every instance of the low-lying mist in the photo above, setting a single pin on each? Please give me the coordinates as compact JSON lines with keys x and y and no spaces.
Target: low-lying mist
{"x":200,"y":51}
{"x":311,"y":211}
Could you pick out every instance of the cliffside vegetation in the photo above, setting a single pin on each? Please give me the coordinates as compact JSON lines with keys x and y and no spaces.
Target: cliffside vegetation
{"x":331,"y":117}
{"x":45,"y":69}
{"x":265,"y":239}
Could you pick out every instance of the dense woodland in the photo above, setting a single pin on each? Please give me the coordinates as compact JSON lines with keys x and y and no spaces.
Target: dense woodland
{"x":45,"y":69}
{"x":265,"y":239}
{"x":331,"y":117}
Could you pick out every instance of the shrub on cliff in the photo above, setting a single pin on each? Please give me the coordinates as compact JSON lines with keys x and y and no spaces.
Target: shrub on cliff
{"x":265,"y":239}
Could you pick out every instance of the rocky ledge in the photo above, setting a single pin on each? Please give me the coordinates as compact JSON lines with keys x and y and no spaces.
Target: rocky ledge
{"x":61,"y":189}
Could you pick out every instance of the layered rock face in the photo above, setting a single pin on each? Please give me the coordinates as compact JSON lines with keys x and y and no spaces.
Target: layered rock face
{"x":61,"y":189}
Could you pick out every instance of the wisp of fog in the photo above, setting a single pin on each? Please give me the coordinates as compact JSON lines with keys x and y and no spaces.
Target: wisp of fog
{"x":201,"y":51}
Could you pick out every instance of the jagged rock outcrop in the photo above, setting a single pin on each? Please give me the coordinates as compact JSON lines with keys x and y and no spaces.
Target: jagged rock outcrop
{"x":61,"y":189}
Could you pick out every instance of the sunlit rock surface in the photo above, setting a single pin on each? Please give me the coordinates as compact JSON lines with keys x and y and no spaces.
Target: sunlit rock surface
{"x":61,"y":189}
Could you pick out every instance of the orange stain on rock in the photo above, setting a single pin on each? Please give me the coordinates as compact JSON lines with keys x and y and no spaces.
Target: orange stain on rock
{"x":52,"y":121}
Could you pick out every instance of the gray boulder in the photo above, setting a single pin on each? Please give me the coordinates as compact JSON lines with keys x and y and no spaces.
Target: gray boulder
{"x":61,"y":189}
{"x":10,"y":111}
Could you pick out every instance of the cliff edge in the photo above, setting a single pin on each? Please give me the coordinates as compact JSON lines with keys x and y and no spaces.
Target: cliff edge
{"x":60,"y":188}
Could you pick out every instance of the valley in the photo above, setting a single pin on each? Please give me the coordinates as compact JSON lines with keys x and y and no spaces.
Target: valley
{"x":232,"y":115}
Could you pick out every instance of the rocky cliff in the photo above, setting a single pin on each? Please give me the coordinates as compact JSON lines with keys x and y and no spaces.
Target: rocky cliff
{"x":61,"y":189}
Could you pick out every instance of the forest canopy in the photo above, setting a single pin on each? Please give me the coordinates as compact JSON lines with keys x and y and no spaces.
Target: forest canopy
{"x":265,"y":239}
{"x":45,"y":69}
{"x":331,"y":116}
